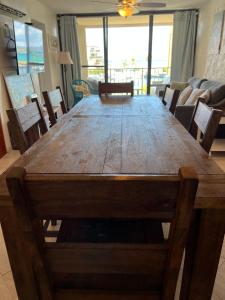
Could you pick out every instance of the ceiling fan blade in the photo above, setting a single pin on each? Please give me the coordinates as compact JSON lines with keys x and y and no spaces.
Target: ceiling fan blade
{"x":150,"y":4}
{"x":136,"y":10}
{"x":101,"y":2}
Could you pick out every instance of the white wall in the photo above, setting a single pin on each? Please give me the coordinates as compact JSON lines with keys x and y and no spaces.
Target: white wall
{"x":209,"y":66}
{"x":42,"y":14}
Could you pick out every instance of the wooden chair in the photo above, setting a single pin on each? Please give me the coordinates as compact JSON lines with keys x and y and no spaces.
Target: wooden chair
{"x":53,"y":101}
{"x":110,"y":88}
{"x":26,"y":125}
{"x":170,"y":99}
{"x":96,"y":270}
{"x":207,"y":120}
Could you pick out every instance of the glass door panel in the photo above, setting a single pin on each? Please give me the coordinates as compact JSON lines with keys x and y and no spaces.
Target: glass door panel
{"x":91,"y":43}
{"x":161,"y":51}
{"x":128,"y":40}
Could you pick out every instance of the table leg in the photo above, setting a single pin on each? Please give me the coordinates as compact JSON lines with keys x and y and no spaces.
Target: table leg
{"x":203,"y":254}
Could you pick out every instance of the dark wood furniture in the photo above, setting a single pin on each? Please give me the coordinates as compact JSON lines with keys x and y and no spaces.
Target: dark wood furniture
{"x":109,"y":270}
{"x":2,"y":140}
{"x":113,"y":87}
{"x":53,"y":100}
{"x":26,"y":125}
{"x":170,"y":99}
{"x":207,"y":120}
{"x":123,"y":136}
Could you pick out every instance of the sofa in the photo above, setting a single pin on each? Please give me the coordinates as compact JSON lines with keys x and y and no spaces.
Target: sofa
{"x":217,"y":99}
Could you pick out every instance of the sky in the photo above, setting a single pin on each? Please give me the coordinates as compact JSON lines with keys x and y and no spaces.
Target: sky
{"x":35,"y":35}
{"x":131,"y":43}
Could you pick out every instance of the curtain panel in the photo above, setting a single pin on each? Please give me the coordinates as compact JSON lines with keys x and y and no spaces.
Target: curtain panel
{"x":69,"y":42}
{"x":183,"y":52}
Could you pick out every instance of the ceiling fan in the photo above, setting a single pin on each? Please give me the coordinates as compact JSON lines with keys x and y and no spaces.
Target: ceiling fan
{"x":127,"y":8}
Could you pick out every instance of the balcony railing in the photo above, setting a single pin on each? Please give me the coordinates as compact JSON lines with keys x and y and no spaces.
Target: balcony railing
{"x":159,"y":76}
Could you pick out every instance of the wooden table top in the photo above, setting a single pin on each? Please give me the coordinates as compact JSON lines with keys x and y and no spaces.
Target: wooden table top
{"x":122,"y":135}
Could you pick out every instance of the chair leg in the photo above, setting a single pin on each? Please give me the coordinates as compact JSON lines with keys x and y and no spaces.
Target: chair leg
{"x":53,"y":222}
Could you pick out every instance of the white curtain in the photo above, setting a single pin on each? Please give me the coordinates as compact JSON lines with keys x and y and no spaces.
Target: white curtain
{"x":69,"y":42}
{"x":183,"y":52}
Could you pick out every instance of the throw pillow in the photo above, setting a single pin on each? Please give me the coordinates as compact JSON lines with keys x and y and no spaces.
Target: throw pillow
{"x":174,"y":85}
{"x":82,"y":88}
{"x":206,"y":96}
{"x":196,"y":93}
{"x":185,"y":94}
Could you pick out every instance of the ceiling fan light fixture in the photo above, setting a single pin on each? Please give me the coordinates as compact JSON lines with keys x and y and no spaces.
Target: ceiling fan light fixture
{"x":126,"y":11}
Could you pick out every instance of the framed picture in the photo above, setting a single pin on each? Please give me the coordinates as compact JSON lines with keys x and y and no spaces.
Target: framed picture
{"x":20,"y":88}
{"x":216,"y":34}
{"x":52,"y":42}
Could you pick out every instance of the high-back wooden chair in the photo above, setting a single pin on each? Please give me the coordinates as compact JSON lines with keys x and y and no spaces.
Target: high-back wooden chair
{"x":207,"y":120}
{"x":26,"y":124}
{"x":110,"y":88}
{"x":53,"y":101}
{"x":105,"y":271}
{"x":170,"y":99}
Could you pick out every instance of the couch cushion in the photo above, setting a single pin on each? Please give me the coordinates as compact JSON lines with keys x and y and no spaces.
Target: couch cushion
{"x":217,"y":90}
{"x":175,"y":85}
{"x":195,"y":82}
{"x":184,"y":95}
{"x":196,"y":93}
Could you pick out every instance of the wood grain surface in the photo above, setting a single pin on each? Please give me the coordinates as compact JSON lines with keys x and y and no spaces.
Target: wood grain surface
{"x":123,"y":135}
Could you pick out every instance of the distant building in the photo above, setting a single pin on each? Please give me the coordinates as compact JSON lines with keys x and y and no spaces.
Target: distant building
{"x":95,"y":57}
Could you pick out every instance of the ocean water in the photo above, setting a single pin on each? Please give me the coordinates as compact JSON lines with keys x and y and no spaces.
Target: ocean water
{"x":34,"y":57}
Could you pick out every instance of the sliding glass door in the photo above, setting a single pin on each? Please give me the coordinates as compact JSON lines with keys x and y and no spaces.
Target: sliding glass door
{"x":91,"y":43}
{"x":137,"y":48}
{"x":162,"y":34}
{"x":128,"y":41}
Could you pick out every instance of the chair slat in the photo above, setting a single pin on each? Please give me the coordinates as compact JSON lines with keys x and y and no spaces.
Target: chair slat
{"x":53,"y":100}
{"x":107,"y":258}
{"x":207,"y":120}
{"x":202,"y":116}
{"x":107,"y":266}
{"x":170,"y":99}
{"x":105,"y":295}
{"x":26,"y":124}
{"x":28,"y":116}
{"x":111,"y":197}
{"x":121,"y":87}
{"x":55,"y":97}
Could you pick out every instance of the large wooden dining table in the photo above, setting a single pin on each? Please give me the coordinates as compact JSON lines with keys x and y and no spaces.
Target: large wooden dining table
{"x":132,"y":135}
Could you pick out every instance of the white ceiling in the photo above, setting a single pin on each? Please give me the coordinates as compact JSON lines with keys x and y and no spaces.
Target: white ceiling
{"x":87,"y":6}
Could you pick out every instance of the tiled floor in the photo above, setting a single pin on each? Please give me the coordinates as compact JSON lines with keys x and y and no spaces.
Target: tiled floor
{"x":8,"y":159}
{"x":7,"y":287}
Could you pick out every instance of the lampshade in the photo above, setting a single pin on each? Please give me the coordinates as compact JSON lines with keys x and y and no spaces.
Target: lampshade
{"x":64,"y":58}
{"x":126,"y":11}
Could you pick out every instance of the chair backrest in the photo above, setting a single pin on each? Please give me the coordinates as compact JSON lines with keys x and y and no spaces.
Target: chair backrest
{"x":27,"y":124}
{"x":104,"y":270}
{"x":110,"y":88}
{"x":207,"y":120}
{"x":53,"y":100}
{"x":170,"y":99}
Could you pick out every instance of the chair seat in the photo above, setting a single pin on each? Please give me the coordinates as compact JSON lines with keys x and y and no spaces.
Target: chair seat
{"x":110,"y":231}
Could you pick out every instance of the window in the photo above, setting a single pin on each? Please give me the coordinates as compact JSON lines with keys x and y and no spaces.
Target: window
{"x":137,"y":48}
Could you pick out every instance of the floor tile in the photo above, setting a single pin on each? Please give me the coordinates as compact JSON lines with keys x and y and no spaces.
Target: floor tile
{"x":9,"y":282}
{"x":5,"y":293}
{"x":7,"y":160}
{"x":4,"y":261}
